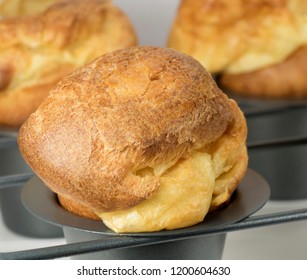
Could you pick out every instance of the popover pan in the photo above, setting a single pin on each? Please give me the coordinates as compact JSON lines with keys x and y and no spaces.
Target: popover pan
{"x":14,"y":215}
{"x":193,"y":242}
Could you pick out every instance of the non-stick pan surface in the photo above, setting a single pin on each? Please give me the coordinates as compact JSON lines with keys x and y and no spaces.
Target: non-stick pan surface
{"x":252,"y":193}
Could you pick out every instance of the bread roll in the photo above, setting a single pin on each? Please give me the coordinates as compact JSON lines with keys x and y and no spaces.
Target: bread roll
{"x":37,"y":51}
{"x":254,"y":45}
{"x":141,"y":137}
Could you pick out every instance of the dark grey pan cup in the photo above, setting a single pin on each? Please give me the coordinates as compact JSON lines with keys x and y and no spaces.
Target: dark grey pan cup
{"x":195,"y":242}
{"x":284,"y":167}
{"x":14,"y":215}
{"x":209,"y":247}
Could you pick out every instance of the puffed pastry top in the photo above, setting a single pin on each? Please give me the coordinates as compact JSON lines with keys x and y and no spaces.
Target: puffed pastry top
{"x":239,"y":36}
{"x":36,"y":51}
{"x":141,"y":137}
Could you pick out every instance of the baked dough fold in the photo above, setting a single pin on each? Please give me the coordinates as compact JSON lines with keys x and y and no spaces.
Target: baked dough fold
{"x":139,"y":128}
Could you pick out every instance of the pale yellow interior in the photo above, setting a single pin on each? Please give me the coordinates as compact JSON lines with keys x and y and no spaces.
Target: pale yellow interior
{"x":187,"y":192}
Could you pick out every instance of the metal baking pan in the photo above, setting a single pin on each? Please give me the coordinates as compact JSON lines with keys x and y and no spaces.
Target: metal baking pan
{"x":8,"y":132}
{"x":283,"y":167}
{"x":15,"y":216}
{"x":257,"y":105}
{"x":195,"y":242}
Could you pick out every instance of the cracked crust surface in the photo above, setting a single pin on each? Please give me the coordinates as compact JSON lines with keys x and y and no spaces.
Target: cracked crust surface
{"x":37,"y":51}
{"x":129,"y":110}
{"x":141,"y":137}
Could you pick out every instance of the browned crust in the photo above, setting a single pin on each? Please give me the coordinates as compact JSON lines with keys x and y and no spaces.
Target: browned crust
{"x":127,"y":110}
{"x":77,"y":208}
{"x":37,"y":51}
{"x":287,"y":79}
{"x":231,"y":148}
{"x":234,"y":154}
